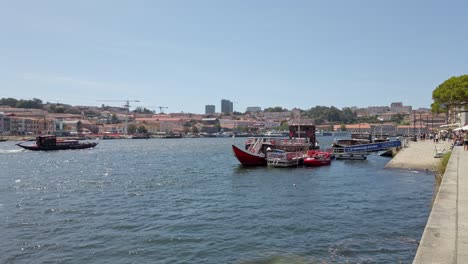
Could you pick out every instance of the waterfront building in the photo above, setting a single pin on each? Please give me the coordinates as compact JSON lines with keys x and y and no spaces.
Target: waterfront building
{"x":4,"y":123}
{"x":210,"y":109}
{"x":376,"y":110}
{"x":24,"y":125}
{"x":398,"y":107}
{"x":384,"y":129}
{"x":227,"y":106}
{"x":412,"y":129}
{"x":253,"y":109}
{"x":463,"y":118}
{"x":355,"y":128}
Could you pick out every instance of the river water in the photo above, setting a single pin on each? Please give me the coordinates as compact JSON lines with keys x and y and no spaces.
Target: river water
{"x":189,"y":201}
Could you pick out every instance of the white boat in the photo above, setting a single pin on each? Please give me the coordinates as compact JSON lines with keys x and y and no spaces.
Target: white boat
{"x":283,"y":159}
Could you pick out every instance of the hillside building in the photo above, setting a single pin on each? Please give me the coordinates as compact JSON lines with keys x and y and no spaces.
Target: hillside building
{"x":210,"y":109}
{"x":227,"y":106}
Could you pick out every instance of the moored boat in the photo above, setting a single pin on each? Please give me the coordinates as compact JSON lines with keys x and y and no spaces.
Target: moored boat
{"x":247,"y":158}
{"x":282,"y":159}
{"x":317,"y":158}
{"x":50,"y":142}
{"x":301,"y":138}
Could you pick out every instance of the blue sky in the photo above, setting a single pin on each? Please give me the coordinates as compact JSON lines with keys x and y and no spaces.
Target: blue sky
{"x":186,"y":54}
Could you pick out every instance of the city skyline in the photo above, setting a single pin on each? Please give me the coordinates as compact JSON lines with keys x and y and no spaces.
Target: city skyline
{"x":185,"y":55}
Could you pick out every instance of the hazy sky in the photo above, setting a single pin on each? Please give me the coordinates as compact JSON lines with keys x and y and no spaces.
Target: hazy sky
{"x":186,"y":54}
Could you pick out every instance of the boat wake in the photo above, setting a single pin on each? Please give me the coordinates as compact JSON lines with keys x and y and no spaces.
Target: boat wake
{"x":9,"y":151}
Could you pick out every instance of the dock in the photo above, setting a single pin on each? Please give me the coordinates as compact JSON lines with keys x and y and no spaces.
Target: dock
{"x":445,"y":237}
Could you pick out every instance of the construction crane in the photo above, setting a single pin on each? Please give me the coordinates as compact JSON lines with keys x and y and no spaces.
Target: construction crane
{"x":126,"y":105}
{"x":161,"y":111}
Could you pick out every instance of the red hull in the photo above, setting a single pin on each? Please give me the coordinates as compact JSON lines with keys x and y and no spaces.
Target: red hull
{"x":249,"y":159}
{"x":316,"y":162}
{"x":317,"y":158}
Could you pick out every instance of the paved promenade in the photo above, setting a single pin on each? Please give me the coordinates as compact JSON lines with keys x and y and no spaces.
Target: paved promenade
{"x":445,"y":238}
{"x":419,"y":155}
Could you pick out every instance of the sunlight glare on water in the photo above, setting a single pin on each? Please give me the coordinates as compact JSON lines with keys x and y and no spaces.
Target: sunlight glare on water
{"x":189,"y":201}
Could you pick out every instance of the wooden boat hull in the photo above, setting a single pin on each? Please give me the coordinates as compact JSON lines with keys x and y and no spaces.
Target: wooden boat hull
{"x":58,"y":147}
{"x":249,"y":159}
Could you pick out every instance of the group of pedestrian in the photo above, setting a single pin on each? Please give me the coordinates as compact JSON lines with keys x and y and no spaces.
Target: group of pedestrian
{"x":461,"y":138}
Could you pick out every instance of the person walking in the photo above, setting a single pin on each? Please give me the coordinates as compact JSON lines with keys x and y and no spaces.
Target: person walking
{"x":465,"y":143}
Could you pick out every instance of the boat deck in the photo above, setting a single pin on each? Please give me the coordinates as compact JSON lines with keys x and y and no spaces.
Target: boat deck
{"x":284,"y":159}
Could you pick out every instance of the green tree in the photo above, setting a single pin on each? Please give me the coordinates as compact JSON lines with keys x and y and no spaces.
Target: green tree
{"x":79,"y":127}
{"x":324,"y":114}
{"x":144,"y":110}
{"x":59,"y":109}
{"x":131,"y":129}
{"x":34,"y":103}
{"x":451,"y":94}
{"x":284,"y":126}
{"x":276,"y":109}
{"x":11,"y":102}
{"x":343,"y":127}
{"x":398,"y":118}
{"x":217,"y":126}
{"x":114,"y":119}
{"x":142,"y":129}
{"x":195,"y":129}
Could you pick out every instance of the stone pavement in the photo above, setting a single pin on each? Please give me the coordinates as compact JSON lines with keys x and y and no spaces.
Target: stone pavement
{"x":419,"y":155}
{"x":445,"y":238}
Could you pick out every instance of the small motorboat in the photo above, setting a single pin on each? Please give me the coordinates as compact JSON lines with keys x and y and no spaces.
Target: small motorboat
{"x":50,"y":142}
{"x":317,"y":158}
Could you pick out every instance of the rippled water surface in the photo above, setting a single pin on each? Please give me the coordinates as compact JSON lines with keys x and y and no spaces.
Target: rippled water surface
{"x":188,"y":201}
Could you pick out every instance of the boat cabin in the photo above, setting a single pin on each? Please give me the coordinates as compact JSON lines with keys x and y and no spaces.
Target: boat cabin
{"x":303,"y":131}
{"x":350,"y":142}
{"x":46,"y":141}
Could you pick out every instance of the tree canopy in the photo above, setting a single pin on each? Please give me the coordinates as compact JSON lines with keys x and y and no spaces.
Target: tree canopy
{"x":12,"y":102}
{"x":275,"y":109}
{"x":324,"y":114}
{"x":143,"y":110}
{"x":452,"y":93}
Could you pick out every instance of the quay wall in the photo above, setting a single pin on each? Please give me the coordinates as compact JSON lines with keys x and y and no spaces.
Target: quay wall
{"x":445,"y":237}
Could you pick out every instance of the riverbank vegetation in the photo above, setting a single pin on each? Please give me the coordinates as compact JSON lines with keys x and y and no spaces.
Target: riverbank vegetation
{"x":441,"y":170}
{"x":451,"y":95}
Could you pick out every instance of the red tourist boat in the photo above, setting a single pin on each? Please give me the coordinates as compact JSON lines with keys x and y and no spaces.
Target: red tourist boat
{"x":301,"y":138}
{"x":248,"y":158}
{"x":50,"y":142}
{"x":317,"y":158}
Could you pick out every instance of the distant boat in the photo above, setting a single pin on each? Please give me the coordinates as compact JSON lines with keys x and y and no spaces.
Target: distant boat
{"x":172,"y":135}
{"x":50,"y":142}
{"x":140,"y":136}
